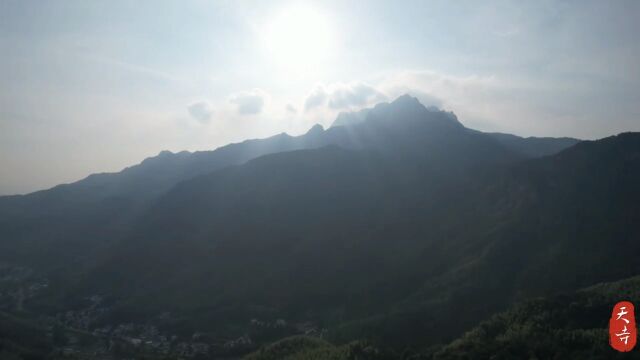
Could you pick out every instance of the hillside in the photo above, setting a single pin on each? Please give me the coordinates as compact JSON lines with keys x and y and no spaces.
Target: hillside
{"x":379,"y":229}
{"x":70,"y":224}
{"x":568,"y":326}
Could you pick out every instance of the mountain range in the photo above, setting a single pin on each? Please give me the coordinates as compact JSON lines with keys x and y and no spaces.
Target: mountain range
{"x":396,"y":225}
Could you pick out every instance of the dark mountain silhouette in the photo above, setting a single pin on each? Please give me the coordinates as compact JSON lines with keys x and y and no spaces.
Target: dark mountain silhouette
{"x":567,"y":326}
{"x":385,"y":227}
{"x":535,"y":146}
{"x":75,"y":218}
{"x":541,"y":226}
{"x":291,"y":213}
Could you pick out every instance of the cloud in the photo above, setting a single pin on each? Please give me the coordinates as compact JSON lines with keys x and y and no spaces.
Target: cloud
{"x":345,"y":96}
{"x":479,"y":100}
{"x":318,"y":97}
{"x":487,"y":102}
{"x":469,"y":95}
{"x":291,"y":109}
{"x":439,"y":85}
{"x":201,"y":111}
{"x":340,"y":96}
{"x":249,"y":102}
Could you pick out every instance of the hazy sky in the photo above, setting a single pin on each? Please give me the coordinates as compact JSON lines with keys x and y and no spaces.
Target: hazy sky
{"x":94,"y":86}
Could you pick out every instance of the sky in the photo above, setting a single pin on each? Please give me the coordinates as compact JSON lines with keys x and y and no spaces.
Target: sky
{"x":95,"y":86}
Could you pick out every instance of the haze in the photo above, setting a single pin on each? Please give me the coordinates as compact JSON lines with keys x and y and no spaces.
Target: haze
{"x":97,"y":86}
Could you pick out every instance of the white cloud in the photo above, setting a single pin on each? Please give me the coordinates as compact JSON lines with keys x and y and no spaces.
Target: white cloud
{"x":480,"y":101}
{"x":201,"y":111}
{"x":488,"y":103}
{"x":521,"y":106}
{"x":317,"y":97}
{"x":249,"y":102}
{"x":291,"y":109}
{"x":347,"y":96}
{"x":343,"y":96}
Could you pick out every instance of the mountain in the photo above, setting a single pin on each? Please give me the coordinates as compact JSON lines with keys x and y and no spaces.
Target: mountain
{"x":294,"y":231}
{"x":568,"y":326}
{"x":383,"y":227}
{"x":534,"y":229}
{"x":99,"y":208}
{"x":350,"y":118}
{"x":404,"y":190}
{"x":309,"y":348}
{"x":21,"y":339}
{"x":535,"y":146}
{"x":571,"y":325}
{"x":71,"y":220}
{"x":529,"y":147}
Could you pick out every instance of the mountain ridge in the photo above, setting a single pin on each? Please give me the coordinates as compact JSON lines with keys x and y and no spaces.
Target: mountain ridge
{"x":381,"y":229}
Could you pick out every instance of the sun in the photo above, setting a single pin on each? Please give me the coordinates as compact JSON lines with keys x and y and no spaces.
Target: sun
{"x":299,"y":38}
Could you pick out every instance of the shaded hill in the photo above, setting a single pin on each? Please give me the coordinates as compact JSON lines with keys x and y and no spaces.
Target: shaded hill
{"x":295,"y":231}
{"x":62,"y":225}
{"x":535,"y":146}
{"x":298,"y":347}
{"x":539,"y":227}
{"x":383,"y":228}
{"x":22,"y":339}
{"x":531,"y":147}
{"x":568,"y":326}
{"x":77,"y":218}
{"x":308,"y":348}
{"x":431,"y":242}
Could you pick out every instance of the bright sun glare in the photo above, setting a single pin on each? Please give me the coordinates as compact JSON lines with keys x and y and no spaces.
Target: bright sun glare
{"x":299,"y":38}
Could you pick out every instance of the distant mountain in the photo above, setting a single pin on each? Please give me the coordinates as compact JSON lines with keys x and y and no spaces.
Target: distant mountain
{"x":59,"y":227}
{"x":535,"y":146}
{"x":383,"y":227}
{"x":136,"y":185}
{"x":294,"y":232}
{"x":536,"y":228}
{"x":85,"y":215}
{"x":289,"y":214}
{"x":351,"y":118}
{"x":400,"y":108}
{"x":529,"y":147}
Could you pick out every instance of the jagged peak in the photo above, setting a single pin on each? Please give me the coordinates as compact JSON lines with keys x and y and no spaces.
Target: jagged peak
{"x":317,"y":128}
{"x":407,"y":99}
{"x":347,"y":118}
{"x":404,"y":105}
